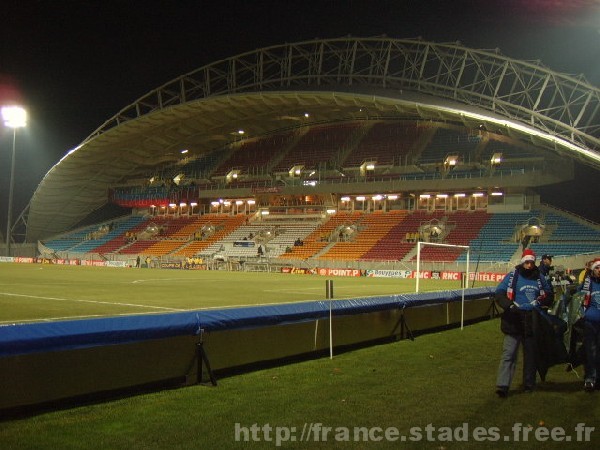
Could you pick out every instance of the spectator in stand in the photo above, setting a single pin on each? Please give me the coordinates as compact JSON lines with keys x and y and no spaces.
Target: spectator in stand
{"x":520,"y":291}
{"x":591,"y":325}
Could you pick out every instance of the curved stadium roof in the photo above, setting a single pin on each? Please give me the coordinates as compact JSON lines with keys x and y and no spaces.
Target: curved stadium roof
{"x":270,"y":89}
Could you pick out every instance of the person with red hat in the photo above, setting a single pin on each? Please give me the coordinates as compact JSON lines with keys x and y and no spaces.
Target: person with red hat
{"x":519,"y":292}
{"x":591,"y":325}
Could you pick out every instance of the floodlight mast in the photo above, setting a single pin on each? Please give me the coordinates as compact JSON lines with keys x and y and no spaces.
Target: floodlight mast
{"x":14,"y":117}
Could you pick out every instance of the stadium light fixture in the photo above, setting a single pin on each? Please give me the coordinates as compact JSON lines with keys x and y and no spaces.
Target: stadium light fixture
{"x":296,"y":170}
{"x":178,"y":178}
{"x":496,"y":159}
{"x":14,"y":117}
{"x":451,"y":160}
{"x":366,"y":167}
{"x":233,"y":175}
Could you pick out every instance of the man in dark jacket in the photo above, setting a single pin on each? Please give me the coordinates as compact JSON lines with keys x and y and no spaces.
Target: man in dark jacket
{"x":521,"y":290}
{"x":545,"y":266}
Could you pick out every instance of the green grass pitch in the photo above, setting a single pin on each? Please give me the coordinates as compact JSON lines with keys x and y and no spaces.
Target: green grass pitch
{"x":34,"y":292}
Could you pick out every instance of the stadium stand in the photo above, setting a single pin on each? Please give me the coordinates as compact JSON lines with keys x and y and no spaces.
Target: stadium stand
{"x":255,"y":156}
{"x":319,"y":146}
{"x":449,"y":140}
{"x":387,"y":143}
{"x":346,"y":235}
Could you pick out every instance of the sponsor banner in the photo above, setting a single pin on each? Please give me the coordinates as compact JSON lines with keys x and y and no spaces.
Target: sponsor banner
{"x":44,"y":261}
{"x":170,"y":265}
{"x":6,"y":259}
{"x":266,"y":190}
{"x":72,"y":262}
{"x":23,"y":260}
{"x":457,"y":276}
{"x":116,"y":264}
{"x":298,"y":270}
{"x":194,"y":266}
{"x":243,"y":244}
{"x":487,"y":276}
{"x":389,"y":273}
{"x":93,"y":263}
{"x":341,"y":272}
{"x":436,"y":275}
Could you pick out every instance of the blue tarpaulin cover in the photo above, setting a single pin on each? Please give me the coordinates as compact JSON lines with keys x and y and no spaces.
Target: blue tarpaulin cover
{"x":19,"y":339}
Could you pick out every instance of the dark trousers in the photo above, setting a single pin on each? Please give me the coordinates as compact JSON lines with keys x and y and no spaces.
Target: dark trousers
{"x":591,"y":343}
{"x":508,"y":361}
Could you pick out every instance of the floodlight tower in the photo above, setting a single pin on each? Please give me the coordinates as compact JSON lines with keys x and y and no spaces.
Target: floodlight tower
{"x":14,"y":117}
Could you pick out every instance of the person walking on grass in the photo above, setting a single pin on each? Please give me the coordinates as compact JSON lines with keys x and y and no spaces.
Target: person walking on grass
{"x":519,"y":292}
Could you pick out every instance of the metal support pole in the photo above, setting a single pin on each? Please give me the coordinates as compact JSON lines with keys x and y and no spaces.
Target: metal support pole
{"x":10,"y":195}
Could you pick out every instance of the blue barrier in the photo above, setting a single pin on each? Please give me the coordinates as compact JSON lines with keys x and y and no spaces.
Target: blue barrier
{"x":20,"y":339}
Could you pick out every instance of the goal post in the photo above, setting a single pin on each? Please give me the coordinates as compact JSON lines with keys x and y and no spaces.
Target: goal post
{"x":464,"y":283}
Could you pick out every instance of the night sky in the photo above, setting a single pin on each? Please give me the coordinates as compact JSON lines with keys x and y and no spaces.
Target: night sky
{"x":78,"y":62}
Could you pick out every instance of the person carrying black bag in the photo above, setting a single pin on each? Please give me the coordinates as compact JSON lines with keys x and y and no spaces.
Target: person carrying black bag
{"x":520,"y":291}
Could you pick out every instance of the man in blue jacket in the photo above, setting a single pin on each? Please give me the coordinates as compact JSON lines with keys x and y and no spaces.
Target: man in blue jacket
{"x":520,"y":291}
{"x":591,"y":325}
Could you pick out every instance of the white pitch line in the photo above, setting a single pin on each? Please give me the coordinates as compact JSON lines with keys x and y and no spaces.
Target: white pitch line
{"x":86,"y":316}
{"x":295,"y":290}
{"x":8,"y":294}
{"x":193,"y":280}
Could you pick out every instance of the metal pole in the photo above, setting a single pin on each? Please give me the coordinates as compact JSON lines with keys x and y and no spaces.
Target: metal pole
{"x":462,"y":301}
{"x":418,"y":266}
{"x":10,"y":194}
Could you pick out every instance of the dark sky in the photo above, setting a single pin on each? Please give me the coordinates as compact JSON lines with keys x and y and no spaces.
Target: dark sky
{"x":78,"y":62}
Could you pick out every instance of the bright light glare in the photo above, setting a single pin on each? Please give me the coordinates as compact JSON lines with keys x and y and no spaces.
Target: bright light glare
{"x":14,"y":116}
